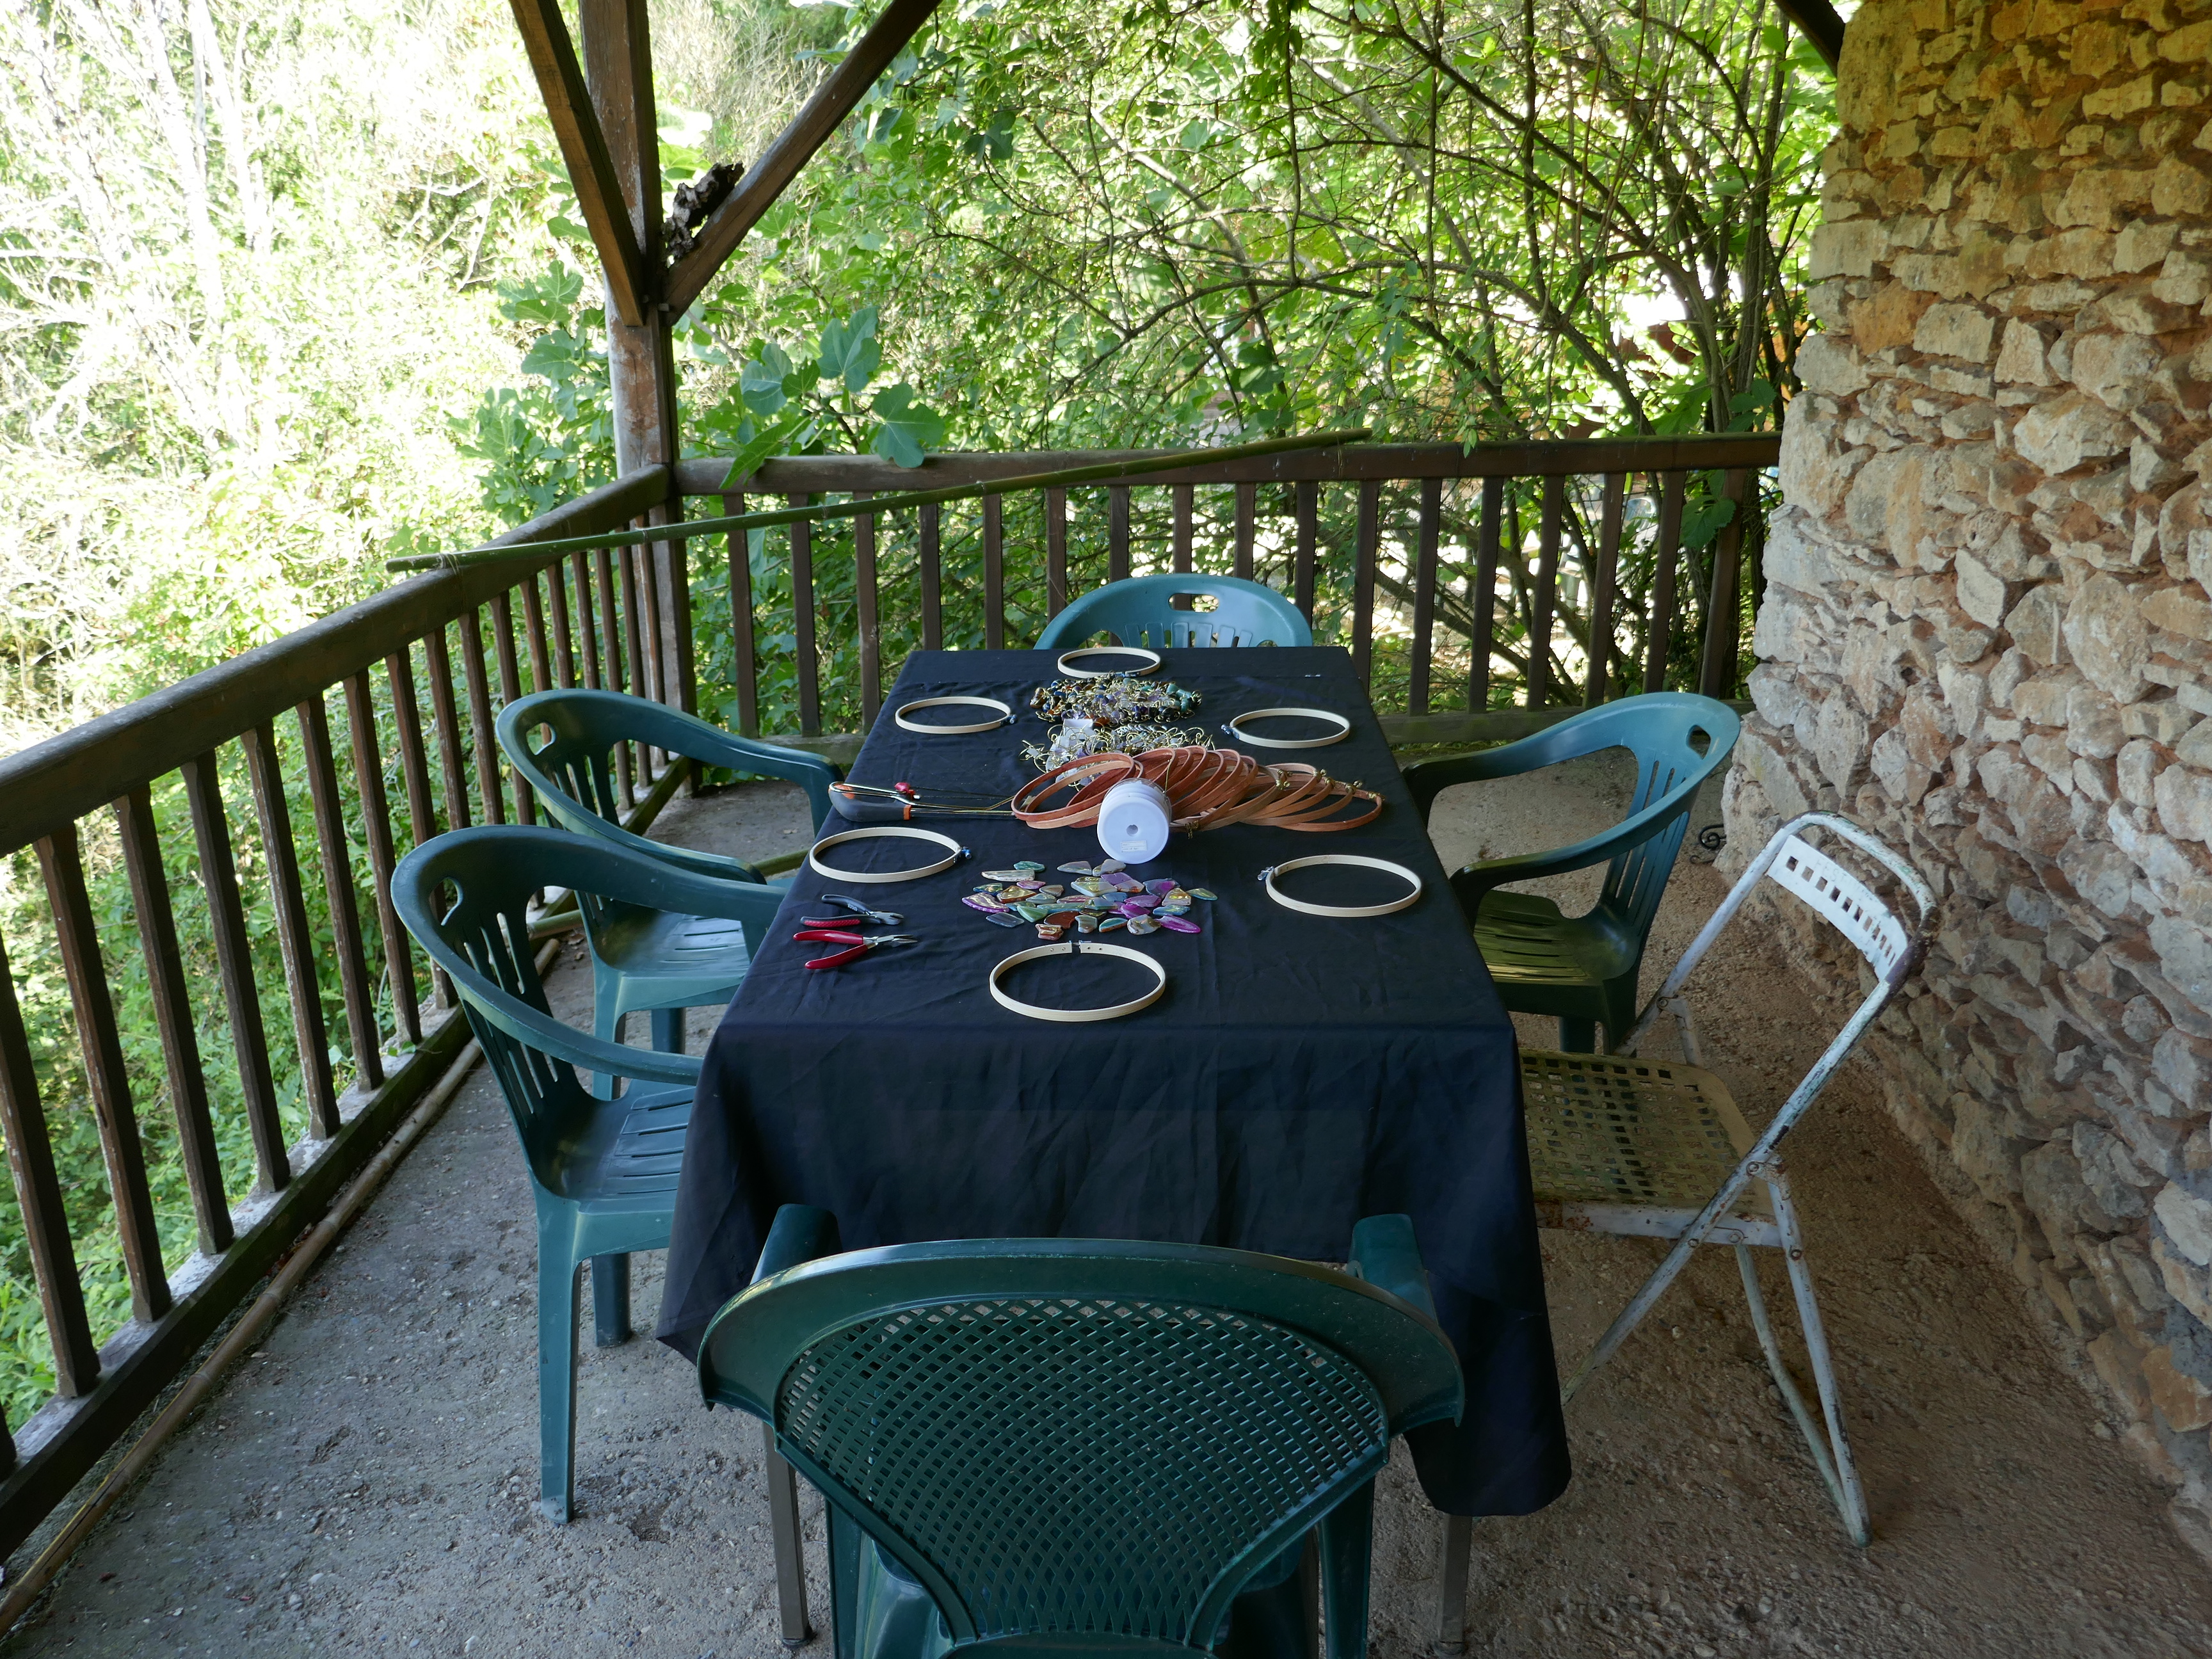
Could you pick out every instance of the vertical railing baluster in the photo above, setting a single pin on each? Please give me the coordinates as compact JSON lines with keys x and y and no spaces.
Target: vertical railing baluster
{"x":39,"y":1199}
{"x":1666,"y":551}
{"x":1424,"y":595}
{"x":932,"y":556}
{"x":1183,"y":496}
{"x":1309,"y":512}
{"x":637,"y":767}
{"x":510,"y":691}
{"x":1117,"y":532}
{"x":533,"y":630}
{"x":295,"y":938}
{"x":1602,"y":581}
{"x":376,"y":829}
{"x":1482,"y":646}
{"x":744,"y":666}
{"x":446,"y":716}
{"x":802,"y":625}
{"x":612,"y":641}
{"x":865,"y":602}
{"x":1543,"y":599}
{"x":486,"y":754}
{"x":1248,"y":507}
{"x":1366,"y":554}
{"x":1724,"y":624}
{"x":653,"y":678}
{"x":994,"y":574}
{"x":106,"y":1075}
{"x":564,"y":638}
{"x":588,"y":630}
{"x":353,"y":986}
{"x":671,"y":569}
{"x":1056,"y":552}
{"x":415,"y":767}
{"x":173,"y":1018}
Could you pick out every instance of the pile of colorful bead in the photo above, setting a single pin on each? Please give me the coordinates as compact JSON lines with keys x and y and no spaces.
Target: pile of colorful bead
{"x":1102,"y":898}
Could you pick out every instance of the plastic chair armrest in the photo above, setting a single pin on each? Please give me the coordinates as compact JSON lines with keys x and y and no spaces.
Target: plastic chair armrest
{"x":810,"y":771}
{"x":800,"y":1234}
{"x":1431,"y":778}
{"x":518,"y":1020}
{"x":1384,"y":1254}
{"x":1472,"y":881}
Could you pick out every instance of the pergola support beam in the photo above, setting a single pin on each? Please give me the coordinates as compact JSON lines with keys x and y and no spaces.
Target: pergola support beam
{"x":1819,"y":23}
{"x":768,"y":177}
{"x":591,"y":169}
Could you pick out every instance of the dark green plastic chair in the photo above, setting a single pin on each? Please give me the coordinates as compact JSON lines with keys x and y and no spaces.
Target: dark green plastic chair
{"x":1142,"y":610}
{"x":1063,"y":1447}
{"x":603,"y":1171}
{"x":644,"y":958}
{"x":1583,"y":970}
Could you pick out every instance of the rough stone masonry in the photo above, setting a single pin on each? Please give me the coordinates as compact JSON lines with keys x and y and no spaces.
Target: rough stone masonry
{"x":1985,"y":635}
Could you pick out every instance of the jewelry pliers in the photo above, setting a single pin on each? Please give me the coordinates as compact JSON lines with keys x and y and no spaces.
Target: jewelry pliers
{"x":857,"y":915}
{"x":860,"y":944}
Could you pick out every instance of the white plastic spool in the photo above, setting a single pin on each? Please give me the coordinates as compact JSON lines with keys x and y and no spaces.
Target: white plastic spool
{"x":1134,"y":821}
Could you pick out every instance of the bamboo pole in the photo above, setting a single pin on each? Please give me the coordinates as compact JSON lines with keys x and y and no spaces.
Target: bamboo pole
{"x":1098,"y":472}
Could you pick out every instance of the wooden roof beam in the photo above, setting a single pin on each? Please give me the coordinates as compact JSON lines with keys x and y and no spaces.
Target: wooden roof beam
{"x":584,"y":148}
{"x":768,"y":177}
{"x":1819,"y":23}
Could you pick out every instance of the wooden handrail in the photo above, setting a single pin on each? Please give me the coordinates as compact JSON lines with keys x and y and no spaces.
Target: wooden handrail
{"x":1562,"y":457}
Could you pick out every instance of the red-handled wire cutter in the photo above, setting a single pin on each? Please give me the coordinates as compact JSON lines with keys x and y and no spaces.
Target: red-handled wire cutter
{"x":859,"y":943}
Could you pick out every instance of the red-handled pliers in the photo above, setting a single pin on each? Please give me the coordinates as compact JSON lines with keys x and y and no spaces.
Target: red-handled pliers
{"x":860,"y":944}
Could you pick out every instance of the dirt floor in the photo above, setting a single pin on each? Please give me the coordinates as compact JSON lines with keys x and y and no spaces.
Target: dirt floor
{"x":364,"y":1482}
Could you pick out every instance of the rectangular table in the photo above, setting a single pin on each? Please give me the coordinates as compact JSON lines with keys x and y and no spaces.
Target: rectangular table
{"x":1300,"y":1072}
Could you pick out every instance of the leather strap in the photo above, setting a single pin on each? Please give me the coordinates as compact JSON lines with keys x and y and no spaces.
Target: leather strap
{"x":1088,"y":775}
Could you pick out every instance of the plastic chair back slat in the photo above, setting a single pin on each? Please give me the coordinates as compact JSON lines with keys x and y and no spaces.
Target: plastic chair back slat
{"x":1142,"y":610}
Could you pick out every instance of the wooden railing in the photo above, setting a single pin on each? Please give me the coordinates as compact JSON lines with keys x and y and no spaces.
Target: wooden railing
{"x":193,"y":818}
{"x":138,"y":819}
{"x":1407,"y":554}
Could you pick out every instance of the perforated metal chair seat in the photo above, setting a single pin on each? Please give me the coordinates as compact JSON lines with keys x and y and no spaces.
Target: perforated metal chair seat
{"x":1631,"y":1147}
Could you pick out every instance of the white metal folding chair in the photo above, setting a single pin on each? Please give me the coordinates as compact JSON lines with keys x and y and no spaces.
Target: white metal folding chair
{"x":1629,"y":1146}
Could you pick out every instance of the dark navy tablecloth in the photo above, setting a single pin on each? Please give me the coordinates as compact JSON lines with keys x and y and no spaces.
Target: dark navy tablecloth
{"x":1300,"y":1072}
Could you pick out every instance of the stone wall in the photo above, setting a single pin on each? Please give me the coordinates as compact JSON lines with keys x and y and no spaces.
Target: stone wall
{"x":1984,"y":635}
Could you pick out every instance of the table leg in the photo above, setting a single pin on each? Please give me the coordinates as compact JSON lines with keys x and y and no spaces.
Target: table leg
{"x":1452,"y":1597}
{"x":611,"y":1300}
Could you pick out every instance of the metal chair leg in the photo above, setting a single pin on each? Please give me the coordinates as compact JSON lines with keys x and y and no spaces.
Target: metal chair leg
{"x":790,"y":1555}
{"x":1451,"y":1593}
{"x":611,"y":1324}
{"x":1843,"y":1483}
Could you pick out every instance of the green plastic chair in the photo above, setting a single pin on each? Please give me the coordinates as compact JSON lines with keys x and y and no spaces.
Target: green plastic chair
{"x":1063,"y":1447}
{"x":1583,"y":970}
{"x":644,"y":958}
{"x":603,"y":1171}
{"x":1141,"y":610}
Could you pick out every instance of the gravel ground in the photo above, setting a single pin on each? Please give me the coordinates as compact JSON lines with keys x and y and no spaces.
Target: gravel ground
{"x":364,"y":1481}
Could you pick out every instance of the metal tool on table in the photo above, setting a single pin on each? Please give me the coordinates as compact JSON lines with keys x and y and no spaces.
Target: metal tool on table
{"x":858,"y":944}
{"x":902,"y":803}
{"x":857,"y":915}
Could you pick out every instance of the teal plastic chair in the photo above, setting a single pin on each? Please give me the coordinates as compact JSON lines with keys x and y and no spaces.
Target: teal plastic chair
{"x":1045,"y":1447}
{"x":1142,"y":610}
{"x":1583,"y":970}
{"x":645,"y":959}
{"x":603,"y":1171}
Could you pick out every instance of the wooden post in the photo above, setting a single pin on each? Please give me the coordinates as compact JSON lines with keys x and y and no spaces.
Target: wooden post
{"x":641,"y":360}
